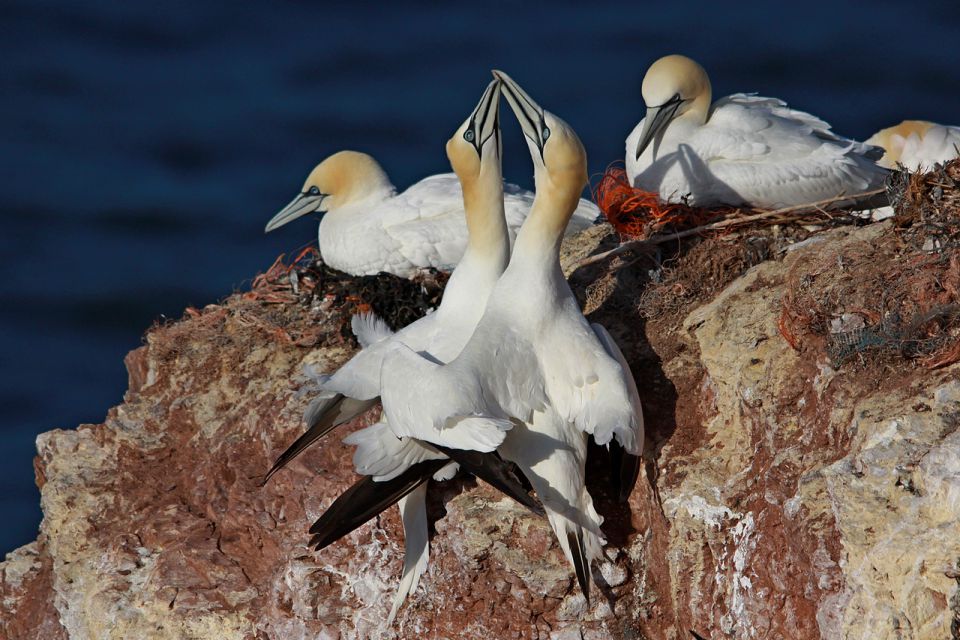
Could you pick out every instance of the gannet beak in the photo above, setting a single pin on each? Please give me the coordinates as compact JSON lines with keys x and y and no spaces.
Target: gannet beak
{"x":485,"y":119}
{"x":529,"y":113}
{"x":657,"y":119}
{"x":304,"y":203}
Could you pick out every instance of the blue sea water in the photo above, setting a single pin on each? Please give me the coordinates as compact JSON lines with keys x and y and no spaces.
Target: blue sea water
{"x":144,"y":145}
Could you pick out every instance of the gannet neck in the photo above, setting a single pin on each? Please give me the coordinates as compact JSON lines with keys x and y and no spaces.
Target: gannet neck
{"x":560,"y":173}
{"x":488,"y":236}
{"x":474,"y":152}
{"x":347,"y":177}
{"x":559,"y":182}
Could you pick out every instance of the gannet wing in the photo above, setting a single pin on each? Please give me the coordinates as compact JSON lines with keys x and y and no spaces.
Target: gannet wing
{"x":436,"y":403}
{"x":366,"y":499}
{"x":381,"y":454}
{"x":428,"y":224}
{"x":339,"y":411}
{"x":776,"y":155}
{"x":626,"y":461}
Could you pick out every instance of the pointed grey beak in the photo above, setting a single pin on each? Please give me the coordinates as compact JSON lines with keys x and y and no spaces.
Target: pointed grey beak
{"x":656,"y":121}
{"x":303,"y":204}
{"x":485,"y":119}
{"x":529,"y":113}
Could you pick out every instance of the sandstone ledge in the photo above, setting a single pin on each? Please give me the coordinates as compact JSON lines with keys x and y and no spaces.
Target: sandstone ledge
{"x":793,"y":499}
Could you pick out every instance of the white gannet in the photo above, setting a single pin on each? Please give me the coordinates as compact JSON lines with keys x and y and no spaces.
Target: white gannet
{"x":742,"y":149}
{"x":534,"y":358}
{"x":395,"y":466}
{"x":367,"y":227}
{"x":917,"y":144}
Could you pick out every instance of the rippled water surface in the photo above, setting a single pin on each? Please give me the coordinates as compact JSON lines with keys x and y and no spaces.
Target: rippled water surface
{"x":144,"y":145}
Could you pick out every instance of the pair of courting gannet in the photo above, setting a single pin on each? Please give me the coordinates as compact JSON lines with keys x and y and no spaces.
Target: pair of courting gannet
{"x":741,"y":149}
{"x":368,"y":228}
{"x":533,"y":360}
{"x":395,"y":466}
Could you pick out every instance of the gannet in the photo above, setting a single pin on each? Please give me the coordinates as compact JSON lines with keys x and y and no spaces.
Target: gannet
{"x":917,"y":144}
{"x":533,"y":359}
{"x":742,"y":149}
{"x":367,"y":227}
{"x":395,"y":467}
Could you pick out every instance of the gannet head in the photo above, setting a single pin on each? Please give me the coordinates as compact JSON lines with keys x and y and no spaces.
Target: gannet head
{"x":674,"y":86}
{"x":559,"y":159}
{"x":894,"y":139}
{"x":344,"y":177}
{"x":475,"y":147}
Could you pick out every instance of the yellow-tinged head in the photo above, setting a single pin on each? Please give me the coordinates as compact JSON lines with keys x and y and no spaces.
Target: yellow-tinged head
{"x":893,"y":139}
{"x":674,"y":86}
{"x":344,"y":177}
{"x":474,"y":149}
{"x":559,"y":159}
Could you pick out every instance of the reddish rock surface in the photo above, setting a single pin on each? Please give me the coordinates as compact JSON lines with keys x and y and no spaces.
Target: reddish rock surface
{"x":790,"y":499}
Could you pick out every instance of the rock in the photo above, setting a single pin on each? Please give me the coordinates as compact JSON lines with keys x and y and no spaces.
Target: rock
{"x":790,"y":499}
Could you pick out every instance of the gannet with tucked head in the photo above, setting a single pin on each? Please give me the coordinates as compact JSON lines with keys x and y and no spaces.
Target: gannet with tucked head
{"x":367,"y":227}
{"x":534,"y":358}
{"x":397,"y":469}
{"x":917,"y":144}
{"x":742,"y":149}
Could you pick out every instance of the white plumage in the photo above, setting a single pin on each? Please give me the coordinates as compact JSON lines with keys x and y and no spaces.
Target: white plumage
{"x":742,"y":149}
{"x":917,"y":144}
{"x":368,"y":227}
{"x":533,"y":358}
{"x":439,"y":336}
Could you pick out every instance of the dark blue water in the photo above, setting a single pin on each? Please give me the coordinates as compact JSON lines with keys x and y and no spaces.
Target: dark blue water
{"x":143,"y":147}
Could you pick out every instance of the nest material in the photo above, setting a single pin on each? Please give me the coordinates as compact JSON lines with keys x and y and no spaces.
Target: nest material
{"x":334,"y":296}
{"x":895,"y":298}
{"x":636,"y":213}
{"x":927,"y":206}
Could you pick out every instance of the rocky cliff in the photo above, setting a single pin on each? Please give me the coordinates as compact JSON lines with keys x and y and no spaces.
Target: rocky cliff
{"x":802,"y":401}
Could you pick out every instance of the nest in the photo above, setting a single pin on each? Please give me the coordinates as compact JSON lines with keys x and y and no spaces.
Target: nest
{"x":334,"y":296}
{"x":895,"y":298}
{"x":927,"y":206}
{"x":641,"y":216}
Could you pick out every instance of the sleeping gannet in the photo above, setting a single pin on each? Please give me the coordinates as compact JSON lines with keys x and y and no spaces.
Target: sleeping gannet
{"x":396,"y":467}
{"x":917,"y":144}
{"x":367,"y":227}
{"x":742,"y":149}
{"x":533,"y":359}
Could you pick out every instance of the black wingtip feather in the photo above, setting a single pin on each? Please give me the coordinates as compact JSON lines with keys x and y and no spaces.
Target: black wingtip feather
{"x":367,"y":499}
{"x":496,"y":472}
{"x":324,"y":424}
{"x":625,"y":471}
{"x":580,"y":562}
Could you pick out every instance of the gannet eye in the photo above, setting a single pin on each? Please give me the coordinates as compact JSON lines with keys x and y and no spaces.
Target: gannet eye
{"x":314,"y":191}
{"x":545,"y":134}
{"x":468,"y":135}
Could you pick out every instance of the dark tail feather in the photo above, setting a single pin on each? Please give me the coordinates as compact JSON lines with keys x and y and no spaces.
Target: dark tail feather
{"x":624,"y":472}
{"x":367,"y":499}
{"x":496,"y":472}
{"x":341,"y":409}
{"x":580,"y":561}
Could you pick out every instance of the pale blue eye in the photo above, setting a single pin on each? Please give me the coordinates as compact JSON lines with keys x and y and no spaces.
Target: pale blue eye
{"x":314,"y":191}
{"x":468,"y":135}
{"x":546,"y":133}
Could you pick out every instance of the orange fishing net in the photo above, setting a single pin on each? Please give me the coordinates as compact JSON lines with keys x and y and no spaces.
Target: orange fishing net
{"x":639,"y":214}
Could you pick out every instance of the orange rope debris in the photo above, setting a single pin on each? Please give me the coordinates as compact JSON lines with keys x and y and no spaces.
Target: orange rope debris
{"x":639,"y":214}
